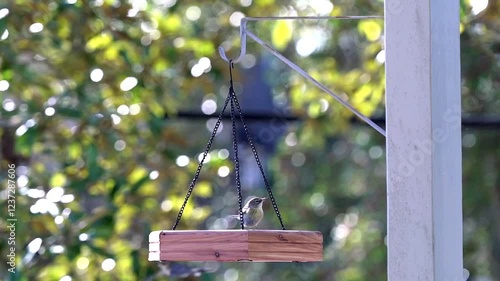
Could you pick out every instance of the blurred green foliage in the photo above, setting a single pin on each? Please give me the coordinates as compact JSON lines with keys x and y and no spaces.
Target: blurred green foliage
{"x":86,"y":85}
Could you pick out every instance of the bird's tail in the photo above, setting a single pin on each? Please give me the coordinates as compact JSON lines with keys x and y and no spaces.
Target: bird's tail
{"x":233,"y":217}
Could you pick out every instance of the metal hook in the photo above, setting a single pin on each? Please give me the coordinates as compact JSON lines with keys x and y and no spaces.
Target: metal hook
{"x":243,"y":39}
{"x":244,"y":33}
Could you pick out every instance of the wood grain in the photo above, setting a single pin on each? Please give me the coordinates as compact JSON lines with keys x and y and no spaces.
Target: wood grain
{"x":285,"y":247}
{"x":285,"y":236}
{"x":201,"y":236}
{"x":285,"y":257}
{"x":220,"y":255}
{"x":236,"y":245}
{"x":235,"y":256}
{"x":195,"y":246}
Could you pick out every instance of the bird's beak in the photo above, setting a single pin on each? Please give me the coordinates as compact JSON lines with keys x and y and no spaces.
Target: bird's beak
{"x":263,"y":198}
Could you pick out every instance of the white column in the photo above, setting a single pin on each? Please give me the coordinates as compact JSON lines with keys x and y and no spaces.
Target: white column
{"x":424,"y":160}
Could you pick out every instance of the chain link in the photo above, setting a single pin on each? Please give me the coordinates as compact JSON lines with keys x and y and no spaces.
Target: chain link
{"x":235,"y":145}
{"x":236,"y":161}
{"x":200,"y":165}
{"x":234,"y":103}
{"x":254,"y":150}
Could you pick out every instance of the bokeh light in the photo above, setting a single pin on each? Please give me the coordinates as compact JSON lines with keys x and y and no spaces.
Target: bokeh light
{"x":96,"y":75}
{"x":108,"y":264}
{"x":182,"y":161}
{"x":223,"y":171}
{"x":4,"y":12}
{"x":36,"y":27}
{"x":50,"y":111}
{"x":9,"y":105}
{"x":235,"y":18}
{"x":128,"y":83}
{"x":193,"y":13}
{"x":209,"y":107}
{"x":4,"y":85}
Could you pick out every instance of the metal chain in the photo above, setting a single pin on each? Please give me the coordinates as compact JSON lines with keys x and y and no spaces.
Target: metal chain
{"x":235,"y":146}
{"x":234,"y":103}
{"x":237,"y":164}
{"x":254,"y":150}
{"x":200,"y":165}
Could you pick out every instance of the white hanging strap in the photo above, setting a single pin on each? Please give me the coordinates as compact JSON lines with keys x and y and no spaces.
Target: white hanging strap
{"x":244,"y":32}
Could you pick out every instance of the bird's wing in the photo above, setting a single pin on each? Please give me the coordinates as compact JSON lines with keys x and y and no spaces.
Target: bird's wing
{"x":245,"y":209}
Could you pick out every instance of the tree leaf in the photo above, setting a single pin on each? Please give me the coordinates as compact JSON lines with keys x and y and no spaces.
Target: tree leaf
{"x":281,"y":34}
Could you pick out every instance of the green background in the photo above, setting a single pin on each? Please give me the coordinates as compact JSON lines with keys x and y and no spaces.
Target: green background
{"x":97,"y":161}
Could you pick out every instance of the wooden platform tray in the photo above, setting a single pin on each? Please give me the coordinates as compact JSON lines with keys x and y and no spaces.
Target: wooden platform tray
{"x":236,"y":245}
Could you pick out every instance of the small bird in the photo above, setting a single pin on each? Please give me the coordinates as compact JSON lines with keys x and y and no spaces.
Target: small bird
{"x":252,"y":212}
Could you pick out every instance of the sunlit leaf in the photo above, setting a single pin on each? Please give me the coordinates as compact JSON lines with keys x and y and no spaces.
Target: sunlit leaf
{"x":171,"y":23}
{"x":73,"y":55}
{"x":112,"y":52}
{"x":281,"y":34}
{"x":117,"y":185}
{"x":371,"y":29}
{"x":58,"y":179}
{"x":137,"y":174}
{"x":314,"y":109}
{"x":100,"y":41}
{"x":53,"y":272}
{"x":264,"y":2}
{"x":160,"y":65}
{"x":203,"y":189}
{"x":140,"y":182}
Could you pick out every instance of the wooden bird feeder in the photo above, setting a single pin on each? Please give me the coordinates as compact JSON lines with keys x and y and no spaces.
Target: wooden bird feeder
{"x":236,"y":245}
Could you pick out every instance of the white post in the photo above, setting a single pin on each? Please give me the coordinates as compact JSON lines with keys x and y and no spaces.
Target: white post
{"x":424,"y":184}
